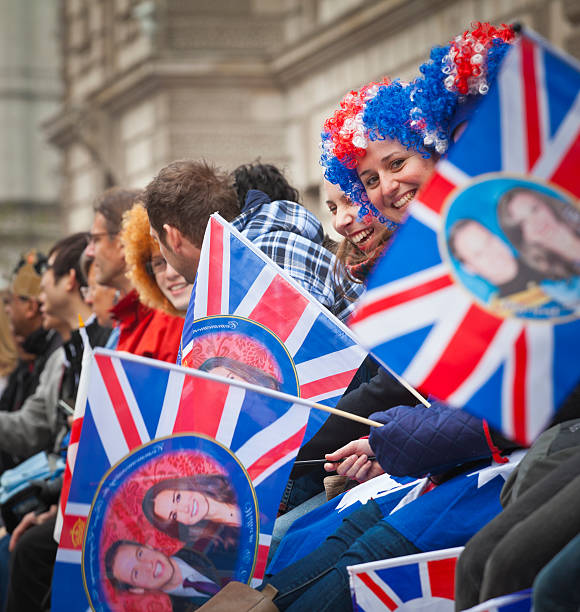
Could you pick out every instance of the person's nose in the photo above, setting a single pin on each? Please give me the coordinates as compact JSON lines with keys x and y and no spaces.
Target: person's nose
{"x":171,"y":273}
{"x":389,"y":186}
{"x":344,"y":218}
{"x":90,"y":249}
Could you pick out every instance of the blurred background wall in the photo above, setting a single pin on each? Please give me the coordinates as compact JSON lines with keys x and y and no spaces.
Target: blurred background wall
{"x":102,"y":92}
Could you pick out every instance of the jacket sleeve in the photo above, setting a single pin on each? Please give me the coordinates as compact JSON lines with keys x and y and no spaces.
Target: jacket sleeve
{"x":381,"y":392}
{"x":33,"y":428}
{"x":415,"y":441}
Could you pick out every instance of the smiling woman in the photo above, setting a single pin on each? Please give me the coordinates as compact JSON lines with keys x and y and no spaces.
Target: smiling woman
{"x":158,"y":284}
{"x":193,"y":508}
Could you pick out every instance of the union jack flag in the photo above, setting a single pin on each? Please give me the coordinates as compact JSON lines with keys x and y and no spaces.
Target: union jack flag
{"x":516,"y":602}
{"x":422,"y":316}
{"x":415,"y":582}
{"x":236,"y":278}
{"x":133,"y":402}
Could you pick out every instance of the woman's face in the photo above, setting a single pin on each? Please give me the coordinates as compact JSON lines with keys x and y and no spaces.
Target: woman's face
{"x":539,"y":224}
{"x":173,"y":286}
{"x":226,"y":373}
{"x":185,"y":507}
{"x":392,"y":175}
{"x":365,"y":234}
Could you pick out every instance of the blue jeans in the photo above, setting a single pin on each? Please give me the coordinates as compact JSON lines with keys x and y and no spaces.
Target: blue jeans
{"x":556,"y":586}
{"x":320,"y":580}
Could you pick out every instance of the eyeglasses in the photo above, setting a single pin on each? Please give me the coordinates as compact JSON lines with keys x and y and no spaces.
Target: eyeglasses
{"x":156,"y":265}
{"x":94,"y":238}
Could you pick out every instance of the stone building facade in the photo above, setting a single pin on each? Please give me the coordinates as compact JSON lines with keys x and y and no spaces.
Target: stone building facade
{"x":30,"y":92}
{"x":149,"y":81}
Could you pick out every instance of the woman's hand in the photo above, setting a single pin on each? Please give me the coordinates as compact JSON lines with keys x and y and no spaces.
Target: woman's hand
{"x":355,"y":462}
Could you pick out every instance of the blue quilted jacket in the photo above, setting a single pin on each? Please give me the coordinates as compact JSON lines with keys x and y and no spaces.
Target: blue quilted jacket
{"x":415,"y":440}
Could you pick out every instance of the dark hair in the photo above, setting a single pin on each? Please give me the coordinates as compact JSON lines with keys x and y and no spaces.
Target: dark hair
{"x":195,"y":559}
{"x":249,"y":373}
{"x":86,"y":264}
{"x":212,"y":485}
{"x":265,"y":177}
{"x":552,"y":265}
{"x":113,"y":203}
{"x":67,"y":256}
{"x":110,"y":556}
{"x":185,"y":193}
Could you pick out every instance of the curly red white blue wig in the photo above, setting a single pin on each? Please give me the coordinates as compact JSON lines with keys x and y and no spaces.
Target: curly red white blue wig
{"x":421,"y":114}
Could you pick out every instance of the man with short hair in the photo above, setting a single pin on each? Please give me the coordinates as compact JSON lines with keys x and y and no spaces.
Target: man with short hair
{"x":138,"y":568}
{"x":181,"y":198}
{"x":140,"y":330}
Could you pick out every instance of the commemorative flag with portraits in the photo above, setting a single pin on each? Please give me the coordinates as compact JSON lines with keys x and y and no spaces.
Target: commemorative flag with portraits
{"x":178,"y":474}
{"x":425,"y":581}
{"x":477,"y":299}
{"x":247,"y":312}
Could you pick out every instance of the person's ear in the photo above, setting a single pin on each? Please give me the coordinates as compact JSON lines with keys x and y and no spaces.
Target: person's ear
{"x":137,"y":590}
{"x":173,"y":238}
{"x":70,"y":280}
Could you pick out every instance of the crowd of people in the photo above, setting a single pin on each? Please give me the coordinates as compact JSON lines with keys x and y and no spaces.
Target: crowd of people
{"x":130,"y":279}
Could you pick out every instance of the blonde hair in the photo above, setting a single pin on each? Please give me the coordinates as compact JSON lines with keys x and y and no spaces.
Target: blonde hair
{"x":139,"y":248}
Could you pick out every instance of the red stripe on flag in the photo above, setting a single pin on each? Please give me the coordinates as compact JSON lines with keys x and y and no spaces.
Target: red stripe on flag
{"x":463,"y":352}
{"x":376,"y":589}
{"x":566,"y":174}
{"x":396,"y":299}
{"x":73,"y":530}
{"x":261,"y":561}
{"x":280,"y":308}
{"x":442,"y":577}
{"x":434,"y":194}
{"x":324,"y":385}
{"x":531,"y":108}
{"x":214,"y":281}
{"x":519,"y":388}
{"x":120,"y":405}
{"x":274,"y":454}
{"x":201,"y":406}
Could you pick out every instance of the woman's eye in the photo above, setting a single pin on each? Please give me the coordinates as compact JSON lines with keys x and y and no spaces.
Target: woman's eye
{"x":139,"y":554}
{"x":372,"y":181}
{"x":396,"y":164}
{"x":173,"y":516}
{"x":332,"y":210}
{"x":178,"y":497}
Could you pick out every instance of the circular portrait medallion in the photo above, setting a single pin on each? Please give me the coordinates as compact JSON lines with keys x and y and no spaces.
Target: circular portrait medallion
{"x":514,"y":244}
{"x":170,"y":524}
{"x":241,"y":349}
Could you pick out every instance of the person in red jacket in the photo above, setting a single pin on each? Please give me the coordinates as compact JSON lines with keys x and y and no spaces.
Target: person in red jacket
{"x":140,"y":330}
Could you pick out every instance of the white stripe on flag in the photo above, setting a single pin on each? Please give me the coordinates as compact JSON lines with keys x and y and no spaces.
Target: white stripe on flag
{"x":170,"y":403}
{"x":225,"y":307}
{"x":567,"y":133}
{"x":67,"y":555}
{"x":265,"y":539}
{"x":76,"y":509}
{"x":230,"y":414}
{"x":338,"y":393}
{"x":452,"y":173}
{"x":297,"y":336}
{"x":407,"y":317}
{"x":366,"y":600}
{"x":403,"y":284}
{"x":542,"y":97}
{"x":330,"y":364}
{"x":427,"y":216}
{"x":425,"y":582}
{"x":495,"y":354}
{"x":514,"y":146}
{"x":507,"y":392}
{"x":274,"y":466}
{"x":256,"y":291}
{"x":201,"y":281}
{"x":435,"y":344}
{"x":106,"y":422}
{"x":131,"y":401}
{"x":291,"y":422}
{"x":539,"y":387}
